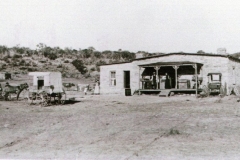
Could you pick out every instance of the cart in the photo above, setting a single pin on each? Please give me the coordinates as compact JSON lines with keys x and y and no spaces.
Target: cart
{"x":47,"y":88}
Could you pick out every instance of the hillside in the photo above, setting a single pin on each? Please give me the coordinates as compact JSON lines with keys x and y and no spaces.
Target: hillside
{"x":70,"y":62}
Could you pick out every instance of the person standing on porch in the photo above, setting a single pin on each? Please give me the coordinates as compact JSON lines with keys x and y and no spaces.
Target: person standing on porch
{"x":167,"y":82}
{"x":154,"y":81}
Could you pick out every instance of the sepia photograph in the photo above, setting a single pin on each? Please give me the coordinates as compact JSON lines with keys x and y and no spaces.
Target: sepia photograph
{"x":120,"y":79}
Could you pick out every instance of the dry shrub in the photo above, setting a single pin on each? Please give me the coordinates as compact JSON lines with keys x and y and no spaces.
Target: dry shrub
{"x":173,"y":132}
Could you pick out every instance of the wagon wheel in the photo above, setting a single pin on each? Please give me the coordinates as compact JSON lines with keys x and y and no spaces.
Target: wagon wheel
{"x":46,"y":99}
{"x":1,"y":95}
{"x":63,"y":98}
{"x":7,"y":96}
{"x":23,"y":94}
{"x":31,"y":96}
{"x":59,"y":97}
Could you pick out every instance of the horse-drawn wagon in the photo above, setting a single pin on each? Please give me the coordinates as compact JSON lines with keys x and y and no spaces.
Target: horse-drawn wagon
{"x":46,"y":88}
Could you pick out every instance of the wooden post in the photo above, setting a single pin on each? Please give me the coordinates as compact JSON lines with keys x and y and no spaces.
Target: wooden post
{"x":176,"y":80}
{"x":157,"y":68}
{"x":196,"y":78}
{"x":139,"y":85}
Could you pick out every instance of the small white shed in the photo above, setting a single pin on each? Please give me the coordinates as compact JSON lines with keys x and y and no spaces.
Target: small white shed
{"x":43,"y":80}
{"x":2,"y":75}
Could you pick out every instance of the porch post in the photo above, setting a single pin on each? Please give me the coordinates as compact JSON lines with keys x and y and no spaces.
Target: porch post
{"x":158,"y":80}
{"x":139,"y":85}
{"x":176,"y":80}
{"x":196,"y":78}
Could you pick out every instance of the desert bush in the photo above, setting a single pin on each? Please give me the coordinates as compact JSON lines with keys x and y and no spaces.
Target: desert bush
{"x":43,"y":61}
{"x":22,"y":62}
{"x":173,"y":132}
{"x":23,"y":68}
{"x":92,"y":69}
{"x":52,"y":56}
{"x":15,"y":56}
{"x":15,"y":64}
{"x":6,"y":59}
{"x":59,"y":66}
{"x":32,"y":69}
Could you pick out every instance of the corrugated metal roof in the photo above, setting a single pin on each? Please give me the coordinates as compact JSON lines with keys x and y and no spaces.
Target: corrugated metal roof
{"x":192,"y":54}
{"x":170,"y":63}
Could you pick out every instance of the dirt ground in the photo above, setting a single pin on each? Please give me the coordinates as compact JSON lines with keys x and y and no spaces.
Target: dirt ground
{"x":122,"y":127}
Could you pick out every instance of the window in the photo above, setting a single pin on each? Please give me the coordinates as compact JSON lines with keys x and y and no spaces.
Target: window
{"x":216,"y":77}
{"x":112,"y":78}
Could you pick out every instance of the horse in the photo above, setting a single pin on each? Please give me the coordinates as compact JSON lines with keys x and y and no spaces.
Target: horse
{"x":8,"y":90}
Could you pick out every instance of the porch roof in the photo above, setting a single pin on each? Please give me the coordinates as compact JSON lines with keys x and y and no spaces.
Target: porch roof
{"x":180,"y":63}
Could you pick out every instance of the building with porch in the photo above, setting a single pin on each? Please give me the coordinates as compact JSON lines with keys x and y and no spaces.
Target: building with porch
{"x":177,"y":72}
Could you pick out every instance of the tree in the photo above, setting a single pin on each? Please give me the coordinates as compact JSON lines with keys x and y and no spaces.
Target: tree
{"x":3,"y":50}
{"x":200,"y":52}
{"x":97,"y":54}
{"x":40,"y":48}
{"x":116,"y":55}
{"x":107,"y":54}
{"x":91,"y":48}
{"x":99,"y":63}
{"x":86,"y":53}
{"x":128,"y":56}
{"x":79,"y":65}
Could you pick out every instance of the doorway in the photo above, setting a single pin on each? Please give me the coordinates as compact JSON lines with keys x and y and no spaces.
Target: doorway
{"x":126,"y":76}
{"x":40,"y":83}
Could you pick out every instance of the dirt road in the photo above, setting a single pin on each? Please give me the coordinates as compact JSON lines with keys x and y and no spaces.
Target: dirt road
{"x":119,"y":127}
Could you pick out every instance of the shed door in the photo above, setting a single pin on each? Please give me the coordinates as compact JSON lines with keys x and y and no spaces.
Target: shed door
{"x":126,"y":79}
{"x":40,"y":82}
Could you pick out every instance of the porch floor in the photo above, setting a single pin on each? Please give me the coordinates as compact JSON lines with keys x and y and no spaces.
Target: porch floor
{"x":171,"y":90}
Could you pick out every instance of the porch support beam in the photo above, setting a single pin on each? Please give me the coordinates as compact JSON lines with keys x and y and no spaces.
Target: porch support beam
{"x":158,"y":80}
{"x":176,"y":80}
{"x":196,"y":78}
{"x":139,"y":81}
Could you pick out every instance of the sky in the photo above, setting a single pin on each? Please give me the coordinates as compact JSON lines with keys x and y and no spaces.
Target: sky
{"x":134,"y":25}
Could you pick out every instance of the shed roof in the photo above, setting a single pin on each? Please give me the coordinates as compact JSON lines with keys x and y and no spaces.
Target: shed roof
{"x":41,"y":73}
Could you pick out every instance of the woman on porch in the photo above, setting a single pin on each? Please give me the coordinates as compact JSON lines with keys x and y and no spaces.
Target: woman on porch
{"x":167,"y":82}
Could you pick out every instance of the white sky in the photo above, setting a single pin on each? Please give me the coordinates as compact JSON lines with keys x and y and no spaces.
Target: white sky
{"x":148,"y":25}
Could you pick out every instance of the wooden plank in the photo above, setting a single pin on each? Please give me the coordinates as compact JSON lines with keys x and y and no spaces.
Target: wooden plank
{"x":164,"y":93}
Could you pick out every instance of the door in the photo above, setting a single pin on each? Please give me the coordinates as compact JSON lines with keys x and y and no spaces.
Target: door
{"x":40,"y":84}
{"x":126,"y":79}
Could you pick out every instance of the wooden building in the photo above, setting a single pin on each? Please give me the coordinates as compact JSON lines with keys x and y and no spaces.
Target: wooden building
{"x":178,"y":69}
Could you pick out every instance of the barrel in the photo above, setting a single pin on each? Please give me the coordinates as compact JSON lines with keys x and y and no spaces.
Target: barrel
{"x":127,"y":92}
